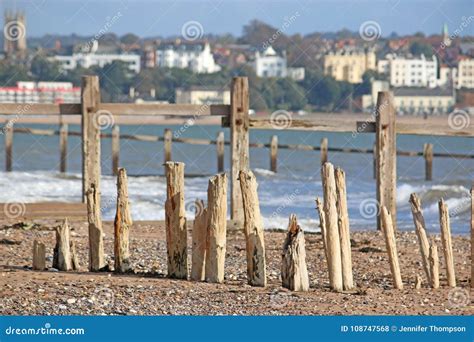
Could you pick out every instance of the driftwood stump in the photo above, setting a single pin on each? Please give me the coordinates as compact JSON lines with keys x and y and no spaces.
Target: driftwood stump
{"x":198,"y":267}
{"x":344,"y":231}
{"x":391,"y":244}
{"x":419,"y":222}
{"x":175,"y":211}
{"x":333,"y":244}
{"x":446,"y":241}
{"x":294,"y":273}
{"x":322,"y":225}
{"x":418,"y":282}
{"x":62,"y":258}
{"x":39,"y":256}
{"x":96,"y":242}
{"x":217,"y":228}
{"x":122,"y":224}
{"x":253,"y":229}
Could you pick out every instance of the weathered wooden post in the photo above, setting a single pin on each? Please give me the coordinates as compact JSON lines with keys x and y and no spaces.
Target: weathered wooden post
{"x":391,"y":244}
{"x":90,"y":102}
{"x":122,"y":225}
{"x":167,"y":141}
{"x":333,"y":244}
{"x":434,"y":266}
{"x":39,"y":256}
{"x":217,"y":228}
{"x":8,"y":145}
{"x":428,"y":155}
{"x":62,"y":259}
{"x":63,"y":137}
{"x":273,"y":153}
{"x":385,"y":141}
{"x":419,"y":222}
{"x":96,"y":242}
{"x":115,"y":149}
{"x":239,"y":142}
{"x":324,"y":150}
{"x":344,"y":231}
{"x":294,"y":273}
{"x":472,"y":237}
{"x":374,"y":156}
{"x":322,"y":225}
{"x":446,"y":241}
{"x":253,"y":229}
{"x":220,"y":151}
{"x":198,"y":266}
{"x":418,"y":282}
{"x":175,"y":212}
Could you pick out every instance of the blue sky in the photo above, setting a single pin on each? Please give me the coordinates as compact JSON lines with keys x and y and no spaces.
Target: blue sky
{"x":155,"y":17}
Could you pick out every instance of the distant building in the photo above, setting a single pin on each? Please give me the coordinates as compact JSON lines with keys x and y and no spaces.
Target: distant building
{"x":349,"y":64}
{"x":269,"y":64}
{"x":202,"y":95}
{"x":14,"y":34}
{"x":465,"y":73}
{"x":41,"y":92}
{"x":296,"y":74}
{"x":194,"y":56}
{"x":409,"y":100}
{"x":409,"y":71}
{"x":87,"y":60}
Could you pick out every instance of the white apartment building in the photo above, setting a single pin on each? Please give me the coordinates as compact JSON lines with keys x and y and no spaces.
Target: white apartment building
{"x":465,"y":74}
{"x":194,"y":56}
{"x":41,"y":92}
{"x":269,"y":64}
{"x":87,"y":60}
{"x":410,"y":71}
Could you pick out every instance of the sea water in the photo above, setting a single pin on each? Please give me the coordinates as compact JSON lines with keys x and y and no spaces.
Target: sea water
{"x":292,"y":189}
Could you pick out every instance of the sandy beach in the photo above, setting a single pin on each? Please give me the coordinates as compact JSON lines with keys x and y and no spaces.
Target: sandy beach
{"x":148,"y":292}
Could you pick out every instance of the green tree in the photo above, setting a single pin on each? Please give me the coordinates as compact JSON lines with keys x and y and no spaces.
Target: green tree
{"x":45,"y":70}
{"x":115,"y":80}
{"x":417,"y":48}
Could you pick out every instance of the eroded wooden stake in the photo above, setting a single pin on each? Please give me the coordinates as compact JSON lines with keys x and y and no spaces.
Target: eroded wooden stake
{"x":324,"y":150}
{"x":294,"y":272}
{"x":8,"y":129}
{"x":63,"y":135}
{"x":418,"y":282}
{"x":333,"y":244}
{"x":446,"y":241}
{"x":220,"y":151}
{"x":217,"y":228}
{"x":273,"y":153}
{"x":322,"y":225}
{"x":198,"y":266}
{"x":344,"y":231}
{"x":115,"y":149}
{"x":434,"y":266}
{"x":253,"y":229}
{"x":420,"y":229}
{"x":428,"y":154}
{"x":62,"y":259}
{"x":96,"y":241}
{"x":122,"y":224}
{"x":391,"y":244}
{"x":168,"y":139}
{"x":39,"y":256}
{"x":175,"y":211}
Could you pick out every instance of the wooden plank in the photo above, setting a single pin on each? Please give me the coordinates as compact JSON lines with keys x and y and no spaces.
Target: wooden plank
{"x":90,"y":101}
{"x":51,"y":210}
{"x":239,"y":137}
{"x":166,"y":109}
{"x":386,"y":152}
{"x":20,"y":109}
